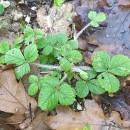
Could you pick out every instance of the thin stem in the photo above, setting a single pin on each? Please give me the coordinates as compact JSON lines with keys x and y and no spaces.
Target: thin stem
{"x":63,"y":79}
{"x":81,"y":31}
{"x":54,"y":67}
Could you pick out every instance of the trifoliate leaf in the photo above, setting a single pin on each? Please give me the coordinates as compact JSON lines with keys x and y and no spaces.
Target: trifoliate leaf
{"x":94,"y":24}
{"x":82,"y":89}
{"x":100,"y":61}
{"x":66,"y":95}
{"x":95,"y":87}
{"x":2,"y":59}
{"x":83,"y":75}
{"x":48,"y":98}
{"x":47,"y":50}
{"x":31,"y":53}
{"x":74,"y":56}
{"x":65,"y":64}
{"x":22,"y":70}
{"x":38,"y":33}
{"x":61,"y":38}
{"x":119,"y":65}
{"x":4,"y":47}
{"x":33,"y":79}
{"x":2,"y":9}
{"x":58,"y":3}
{"x":73,"y":44}
{"x":14,"y":56}
{"x":65,"y":49}
{"x":101,"y":17}
{"x":33,"y":89}
{"x":109,"y":82}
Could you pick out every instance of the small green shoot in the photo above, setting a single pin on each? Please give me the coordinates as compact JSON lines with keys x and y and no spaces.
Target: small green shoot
{"x":2,"y":9}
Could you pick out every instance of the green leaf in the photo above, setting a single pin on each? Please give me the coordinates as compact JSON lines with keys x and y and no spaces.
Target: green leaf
{"x":41,"y":43}
{"x":19,"y":39}
{"x":66,"y":95}
{"x":101,"y":17}
{"x":38,"y":33}
{"x":14,"y":56}
{"x":61,"y":38}
{"x":119,"y":65}
{"x":43,"y":59}
{"x":33,"y":89}
{"x":74,"y":56}
{"x":49,"y":81}
{"x":4,"y":47}
{"x":33,"y":79}
{"x":2,"y":59}
{"x":65,"y":49}
{"x":31,"y":53}
{"x":28,"y":31}
{"x":109,"y":82}
{"x":22,"y":70}
{"x":48,"y":98}
{"x":47,"y":50}
{"x":58,"y":3}
{"x":95,"y":87}
{"x":51,"y":39}
{"x":29,"y":39}
{"x":29,"y":35}
{"x":82,"y":89}
{"x":94,"y":24}
{"x":2,"y":9}
{"x":100,"y":61}
{"x":91,"y":74}
{"x":73,"y":44}
{"x":65,"y":64}
{"x":92,"y":15}
{"x":83,"y":75}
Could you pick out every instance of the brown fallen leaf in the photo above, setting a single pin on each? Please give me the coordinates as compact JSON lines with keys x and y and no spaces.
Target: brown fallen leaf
{"x":67,"y":119}
{"x":38,"y":123}
{"x":124,"y":6}
{"x":14,"y":119}
{"x":13,"y":98}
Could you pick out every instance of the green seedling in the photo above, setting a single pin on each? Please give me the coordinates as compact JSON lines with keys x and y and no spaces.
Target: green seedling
{"x":60,"y":59}
{"x":95,"y":20}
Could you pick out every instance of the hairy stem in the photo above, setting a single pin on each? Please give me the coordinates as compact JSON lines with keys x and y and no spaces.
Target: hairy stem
{"x":81,"y":31}
{"x":54,"y":67}
{"x":63,"y":79}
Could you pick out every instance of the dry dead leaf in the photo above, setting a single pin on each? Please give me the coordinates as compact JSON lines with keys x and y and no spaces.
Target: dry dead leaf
{"x":38,"y":123}
{"x":13,"y":97}
{"x":67,"y":119}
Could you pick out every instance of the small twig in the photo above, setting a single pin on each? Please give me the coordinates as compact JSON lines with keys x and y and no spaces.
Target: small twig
{"x":81,"y":31}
